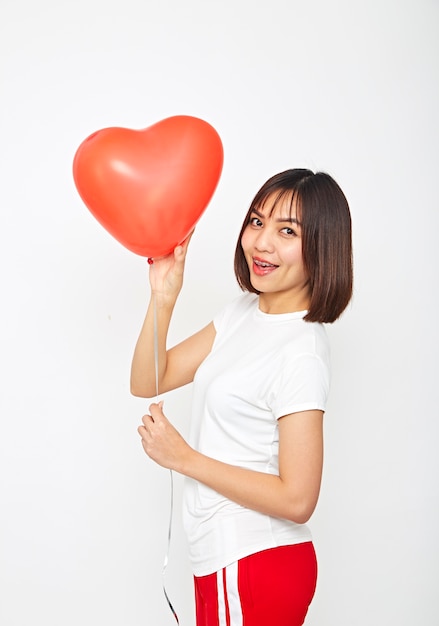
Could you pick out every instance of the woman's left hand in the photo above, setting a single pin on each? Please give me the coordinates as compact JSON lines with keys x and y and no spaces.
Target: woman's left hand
{"x":161,"y":441}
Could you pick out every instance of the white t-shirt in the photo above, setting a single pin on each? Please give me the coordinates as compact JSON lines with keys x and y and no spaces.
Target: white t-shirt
{"x":261,"y":367}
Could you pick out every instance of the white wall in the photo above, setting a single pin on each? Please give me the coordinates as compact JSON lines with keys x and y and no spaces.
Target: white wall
{"x":348,"y":87}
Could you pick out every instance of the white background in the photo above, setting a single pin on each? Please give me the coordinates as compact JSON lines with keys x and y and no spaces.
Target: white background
{"x":346,"y":87}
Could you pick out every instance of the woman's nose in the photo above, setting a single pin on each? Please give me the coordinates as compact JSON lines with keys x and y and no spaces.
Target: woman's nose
{"x":264,"y":241}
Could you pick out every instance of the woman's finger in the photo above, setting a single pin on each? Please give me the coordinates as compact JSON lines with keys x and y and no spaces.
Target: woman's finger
{"x":156,"y":410}
{"x":147,"y":419}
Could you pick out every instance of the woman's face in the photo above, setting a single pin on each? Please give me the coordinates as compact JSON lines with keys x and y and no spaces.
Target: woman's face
{"x":272,"y":245}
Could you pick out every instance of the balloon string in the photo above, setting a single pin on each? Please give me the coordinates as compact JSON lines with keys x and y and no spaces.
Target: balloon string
{"x":165,"y":564}
{"x":171,"y":509}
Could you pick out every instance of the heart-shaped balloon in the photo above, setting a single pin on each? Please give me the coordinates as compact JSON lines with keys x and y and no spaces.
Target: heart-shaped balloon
{"x":148,"y":188}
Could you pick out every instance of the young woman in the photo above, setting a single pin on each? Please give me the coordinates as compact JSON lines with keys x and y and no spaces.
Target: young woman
{"x":261,"y":377}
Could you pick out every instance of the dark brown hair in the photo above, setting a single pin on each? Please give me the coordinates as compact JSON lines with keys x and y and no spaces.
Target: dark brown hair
{"x":326,"y":239}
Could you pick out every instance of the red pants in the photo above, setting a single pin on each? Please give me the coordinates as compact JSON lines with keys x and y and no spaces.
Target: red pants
{"x":269,"y":588}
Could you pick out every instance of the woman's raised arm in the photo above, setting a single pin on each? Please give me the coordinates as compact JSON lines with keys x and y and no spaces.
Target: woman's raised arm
{"x":175,"y":367}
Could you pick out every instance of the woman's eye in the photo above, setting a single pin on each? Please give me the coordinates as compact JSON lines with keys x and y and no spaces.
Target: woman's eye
{"x":255,"y":221}
{"x":288,"y":231}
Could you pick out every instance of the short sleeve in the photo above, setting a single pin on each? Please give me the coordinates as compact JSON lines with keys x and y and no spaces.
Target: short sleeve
{"x":303,"y":385}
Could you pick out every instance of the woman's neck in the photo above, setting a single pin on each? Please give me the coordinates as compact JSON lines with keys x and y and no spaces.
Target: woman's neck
{"x":284,"y":302}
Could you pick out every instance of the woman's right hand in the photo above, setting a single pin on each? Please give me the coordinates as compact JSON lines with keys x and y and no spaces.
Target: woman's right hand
{"x":155,"y":368}
{"x":166,"y":274}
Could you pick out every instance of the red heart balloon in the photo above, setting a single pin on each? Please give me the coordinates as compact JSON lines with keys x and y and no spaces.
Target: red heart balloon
{"x":148,"y":188}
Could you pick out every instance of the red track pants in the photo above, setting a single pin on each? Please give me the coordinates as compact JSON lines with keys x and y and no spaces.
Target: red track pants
{"x":270,"y":588}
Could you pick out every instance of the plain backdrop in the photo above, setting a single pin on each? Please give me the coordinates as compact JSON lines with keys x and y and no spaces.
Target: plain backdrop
{"x":343,"y":86}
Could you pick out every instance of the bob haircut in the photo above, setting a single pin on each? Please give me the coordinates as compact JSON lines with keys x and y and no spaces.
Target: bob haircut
{"x":326,"y":239}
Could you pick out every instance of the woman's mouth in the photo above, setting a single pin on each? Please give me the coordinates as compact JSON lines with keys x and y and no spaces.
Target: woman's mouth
{"x":262,"y":268}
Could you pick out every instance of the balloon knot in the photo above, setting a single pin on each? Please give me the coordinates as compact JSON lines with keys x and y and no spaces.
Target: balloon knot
{"x":150,"y":261}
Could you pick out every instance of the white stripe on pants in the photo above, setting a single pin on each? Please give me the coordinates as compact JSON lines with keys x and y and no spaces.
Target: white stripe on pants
{"x":232,"y":593}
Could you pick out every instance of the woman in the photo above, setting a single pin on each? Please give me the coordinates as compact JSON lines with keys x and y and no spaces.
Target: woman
{"x":261,"y":378}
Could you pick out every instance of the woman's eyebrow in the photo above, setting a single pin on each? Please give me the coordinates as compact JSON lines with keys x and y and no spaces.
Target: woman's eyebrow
{"x":289,"y":219}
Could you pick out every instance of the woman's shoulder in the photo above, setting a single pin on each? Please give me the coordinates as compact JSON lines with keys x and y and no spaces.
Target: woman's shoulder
{"x":312,"y":340}
{"x":236,"y":309}
{"x":241,"y":304}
